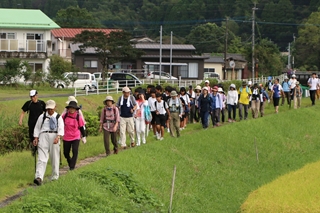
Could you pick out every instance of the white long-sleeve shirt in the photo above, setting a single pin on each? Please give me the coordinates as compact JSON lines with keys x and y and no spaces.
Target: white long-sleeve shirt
{"x":232,"y":97}
{"x":46,"y":126}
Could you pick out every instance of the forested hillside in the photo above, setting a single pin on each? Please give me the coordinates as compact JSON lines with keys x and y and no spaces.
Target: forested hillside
{"x":277,"y":21}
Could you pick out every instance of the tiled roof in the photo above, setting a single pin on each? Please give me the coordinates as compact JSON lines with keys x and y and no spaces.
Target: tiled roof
{"x":165,"y":46}
{"x":26,"y":19}
{"x":68,"y":33}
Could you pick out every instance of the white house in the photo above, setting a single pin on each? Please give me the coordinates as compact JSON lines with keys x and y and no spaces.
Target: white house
{"x":26,"y":34}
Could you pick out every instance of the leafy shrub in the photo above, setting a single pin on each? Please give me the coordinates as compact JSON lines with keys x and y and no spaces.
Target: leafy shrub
{"x":14,"y":139}
{"x":92,"y":123}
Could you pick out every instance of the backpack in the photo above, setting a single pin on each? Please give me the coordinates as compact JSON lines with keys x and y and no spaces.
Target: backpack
{"x":66,"y":115}
{"x":104,"y":113}
{"x":44,"y":118}
{"x":37,"y":102}
{"x":147,"y":114}
{"x":155,"y":104}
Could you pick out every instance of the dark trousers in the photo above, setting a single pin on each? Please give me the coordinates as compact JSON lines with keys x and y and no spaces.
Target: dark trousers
{"x":286,"y":96}
{"x":196,"y":114}
{"x":204,"y":118}
{"x":67,"y":146}
{"x":245,"y":107}
{"x":106,"y":137}
{"x":215,"y":116}
{"x":313,"y":96}
{"x":192,"y":113}
{"x":233,"y":109}
{"x":223,"y":115}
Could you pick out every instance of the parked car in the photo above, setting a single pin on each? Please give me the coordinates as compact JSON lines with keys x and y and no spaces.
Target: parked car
{"x":164,"y":75}
{"x":211,"y":75}
{"x":125,"y":79}
{"x":85,"y":80}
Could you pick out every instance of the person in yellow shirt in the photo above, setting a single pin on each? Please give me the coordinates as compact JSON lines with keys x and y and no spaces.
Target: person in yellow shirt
{"x":244,"y":98}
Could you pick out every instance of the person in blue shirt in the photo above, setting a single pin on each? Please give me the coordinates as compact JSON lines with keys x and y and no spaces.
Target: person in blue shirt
{"x":265,"y":98}
{"x":216,"y":107}
{"x":286,"y":90}
{"x":204,"y":106}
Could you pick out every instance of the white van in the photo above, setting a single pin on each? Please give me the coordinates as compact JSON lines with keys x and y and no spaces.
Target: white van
{"x":85,"y":80}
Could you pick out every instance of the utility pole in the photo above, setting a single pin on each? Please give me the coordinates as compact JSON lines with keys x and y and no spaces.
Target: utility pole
{"x":253,"y":38}
{"x":289,"y":56}
{"x":170,"y":54}
{"x":160,"y":59}
{"x":225,"y":50}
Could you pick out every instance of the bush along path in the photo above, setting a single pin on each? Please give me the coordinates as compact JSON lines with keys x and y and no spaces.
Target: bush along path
{"x":63,"y":170}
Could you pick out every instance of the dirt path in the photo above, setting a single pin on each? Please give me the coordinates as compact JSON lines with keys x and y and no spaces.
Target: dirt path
{"x":64,"y":170}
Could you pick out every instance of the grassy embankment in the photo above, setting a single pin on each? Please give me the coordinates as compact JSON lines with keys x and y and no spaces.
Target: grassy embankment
{"x":216,"y":169}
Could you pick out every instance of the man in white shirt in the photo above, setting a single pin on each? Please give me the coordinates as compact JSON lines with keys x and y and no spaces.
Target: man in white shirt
{"x":292,"y":83}
{"x":313,"y":83}
{"x":47,"y":132}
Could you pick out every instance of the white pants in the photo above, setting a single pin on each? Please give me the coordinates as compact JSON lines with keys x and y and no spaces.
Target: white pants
{"x":141,"y":130}
{"x":46,"y":149}
{"x":126,"y":125}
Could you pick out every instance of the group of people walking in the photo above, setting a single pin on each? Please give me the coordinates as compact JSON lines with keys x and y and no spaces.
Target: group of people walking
{"x":152,"y":110}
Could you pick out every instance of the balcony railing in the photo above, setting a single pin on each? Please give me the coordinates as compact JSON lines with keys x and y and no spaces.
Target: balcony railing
{"x":17,"y":45}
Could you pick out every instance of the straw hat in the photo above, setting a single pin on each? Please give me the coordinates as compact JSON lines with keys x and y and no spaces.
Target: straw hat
{"x":108,"y":98}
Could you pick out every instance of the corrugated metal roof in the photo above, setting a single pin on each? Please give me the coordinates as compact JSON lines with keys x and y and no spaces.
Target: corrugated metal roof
{"x":175,"y":56}
{"x":165,"y":46}
{"x":27,"y":19}
{"x":68,"y":33}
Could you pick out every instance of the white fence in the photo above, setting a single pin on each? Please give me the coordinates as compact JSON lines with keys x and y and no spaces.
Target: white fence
{"x":107,"y":87}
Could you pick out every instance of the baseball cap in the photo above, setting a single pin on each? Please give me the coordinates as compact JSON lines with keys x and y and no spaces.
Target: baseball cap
{"x":33,"y":92}
{"x":126,"y":89}
{"x":207,"y":81}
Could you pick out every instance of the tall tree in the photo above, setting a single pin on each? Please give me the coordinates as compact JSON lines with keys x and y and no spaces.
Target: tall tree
{"x":110,"y":48}
{"x":307,"y":47}
{"x":77,"y":18}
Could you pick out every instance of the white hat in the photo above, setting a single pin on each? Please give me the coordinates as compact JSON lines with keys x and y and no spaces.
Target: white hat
{"x":51,"y":104}
{"x":233,"y":86}
{"x":206,"y":81}
{"x":33,"y":92}
{"x":71,"y":98}
{"x":126,"y":89}
{"x":297,"y":82}
{"x":205,"y":88}
{"x":293,"y":76}
{"x":220,"y":89}
{"x":286,"y":77}
{"x":249,"y":82}
{"x":198,"y":87}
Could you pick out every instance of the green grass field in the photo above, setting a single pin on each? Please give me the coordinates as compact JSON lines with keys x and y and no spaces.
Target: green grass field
{"x":217,"y":169}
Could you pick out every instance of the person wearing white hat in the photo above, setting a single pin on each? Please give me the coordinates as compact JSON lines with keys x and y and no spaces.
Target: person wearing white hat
{"x":127,"y":105}
{"x":207,"y":84}
{"x":232,"y":101}
{"x":139,"y":116}
{"x":176,"y":112}
{"x":109,"y":123}
{"x":292,"y":83}
{"x":286,"y":90}
{"x":297,"y":95}
{"x":35,"y":108}
{"x":224,"y":99}
{"x":204,"y":103}
{"x":47,"y":132}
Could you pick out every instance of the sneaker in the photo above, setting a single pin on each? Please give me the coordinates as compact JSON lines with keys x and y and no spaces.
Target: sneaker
{"x":158,"y":136}
{"x":37,"y":181}
{"x":229,"y":120}
{"x":161,"y":139}
{"x":168,"y":130}
{"x":133,"y":144}
{"x":144,"y":142}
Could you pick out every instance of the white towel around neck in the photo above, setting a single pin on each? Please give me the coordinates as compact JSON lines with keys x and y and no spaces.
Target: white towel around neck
{"x":128,"y":101}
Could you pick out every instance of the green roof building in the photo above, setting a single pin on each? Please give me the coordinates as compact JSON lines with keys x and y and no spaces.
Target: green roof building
{"x":26,"y":34}
{"x":25,"y":19}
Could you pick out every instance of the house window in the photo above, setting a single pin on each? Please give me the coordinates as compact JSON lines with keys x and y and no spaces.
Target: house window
{"x":193,"y":70}
{"x":183,"y":70}
{"x":209,"y":70}
{"x":34,"y":36}
{"x":7,"y":36}
{"x":53,"y":46}
{"x":90,"y":64}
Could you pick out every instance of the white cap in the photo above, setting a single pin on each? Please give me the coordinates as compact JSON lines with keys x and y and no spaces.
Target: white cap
{"x":293,"y":76}
{"x":126,"y":89}
{"x":286,"y":77}
{"x":71,"y":98}
{"x":33,"y":92}
{"x":233,"y":86}
{"x":205,"y":88}
{"x":249,"y":82}
{"x":220,"y":89}
{"x":206,"y":81}
{"x":51,"y":104}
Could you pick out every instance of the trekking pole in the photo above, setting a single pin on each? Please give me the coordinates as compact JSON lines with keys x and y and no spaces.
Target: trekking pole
{"x":60,"y":156}
{"x":172,"y":187}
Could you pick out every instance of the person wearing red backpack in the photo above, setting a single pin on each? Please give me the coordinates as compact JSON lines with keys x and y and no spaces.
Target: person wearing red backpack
{"x":109,"y":122}
{"x":73,"y":131}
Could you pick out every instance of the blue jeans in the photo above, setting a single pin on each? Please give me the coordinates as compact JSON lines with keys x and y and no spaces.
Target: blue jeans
{"x":204,"y":119}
